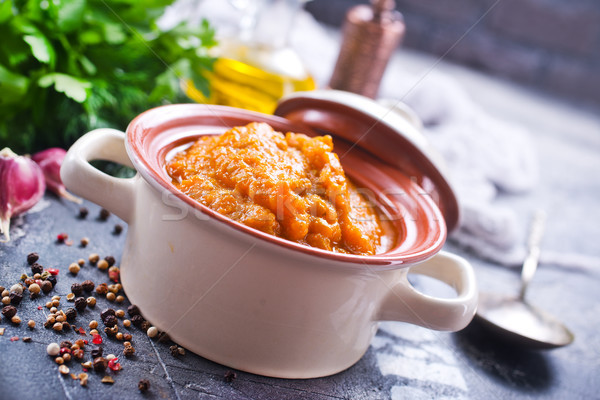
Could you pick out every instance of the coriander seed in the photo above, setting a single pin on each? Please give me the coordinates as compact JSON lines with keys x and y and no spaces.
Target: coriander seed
{"x":120,"y":298}
{"x":74,"y":268}
{"x":102,"y":265}
{"x":34,"y":288}
{"x":55,"y":303}
{"x":110,"y":296}
{"x":81,"y":262}
{"x":59,"y":360}
{"x":126,"y":323}
{"x":31,"y":324}
{"x":57,"y":326}
{"x":6,"y":300}
{"x":119,"y":336}
{"x":16,"y":320}
{"x":119,"y":313}
{"x":63,"y":369}
{"x":93,"y":258}
{"x":70,"y":296}
{"x":84,"y":242}
{"x":93,"y":324}
{"x":91,"y":301}
{"x":127,"y":336}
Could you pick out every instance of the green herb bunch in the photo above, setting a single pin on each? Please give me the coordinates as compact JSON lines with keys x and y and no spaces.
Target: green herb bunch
{"x":69,"y":66}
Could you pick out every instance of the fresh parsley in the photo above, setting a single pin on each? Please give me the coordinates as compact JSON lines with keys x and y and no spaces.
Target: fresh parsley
{"x":69,"y":66}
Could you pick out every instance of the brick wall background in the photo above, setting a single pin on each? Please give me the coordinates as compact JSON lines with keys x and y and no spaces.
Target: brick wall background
{"x":553,"y":45}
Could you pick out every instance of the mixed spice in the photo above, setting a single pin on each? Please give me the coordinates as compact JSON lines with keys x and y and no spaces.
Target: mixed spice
{"x":82,"y":358}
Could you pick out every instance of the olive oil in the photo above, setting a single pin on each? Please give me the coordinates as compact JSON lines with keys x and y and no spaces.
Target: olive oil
{"x":254,"y":77}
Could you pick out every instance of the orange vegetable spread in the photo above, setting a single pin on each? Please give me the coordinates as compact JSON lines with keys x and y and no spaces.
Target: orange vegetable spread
{"x":291,"y":186}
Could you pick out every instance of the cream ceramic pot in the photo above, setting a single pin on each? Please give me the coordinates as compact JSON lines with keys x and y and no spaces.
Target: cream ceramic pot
{"x":252,"y":301}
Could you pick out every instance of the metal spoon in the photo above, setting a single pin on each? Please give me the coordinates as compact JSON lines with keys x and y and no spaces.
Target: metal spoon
{"x":516,"y":320}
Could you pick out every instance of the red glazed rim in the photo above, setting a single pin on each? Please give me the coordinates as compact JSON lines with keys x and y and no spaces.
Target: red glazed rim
{"x":378,"y":130}
{"x":156,"y":132}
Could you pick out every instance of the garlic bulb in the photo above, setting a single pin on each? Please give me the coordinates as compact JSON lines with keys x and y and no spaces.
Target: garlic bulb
{"x":50,"y":161}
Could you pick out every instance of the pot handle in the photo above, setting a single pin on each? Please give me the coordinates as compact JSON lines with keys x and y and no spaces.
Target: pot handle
{"x":81,"y":178}
{"x":404,"y":303}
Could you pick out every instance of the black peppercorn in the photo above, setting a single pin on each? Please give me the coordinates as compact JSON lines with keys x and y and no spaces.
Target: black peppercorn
{"x":174,"y":350}
{"x":77,"y":289}
{"x":49,"y":323}
{"x":118,"y":229}
{"x":88,"y":285}
{"x":32,"y":257}
{"x":71,"y":314}
{"x":230,"y":376}
{"x":145,"y":326}
{"x":52,"y":279}
{"x":36,"y":268}
{"x":97,"y":352}
{"x":99,"y":364}
{"x":137,"y":320}
{"x":66,"y":343}
{"x":144,"y":385}
{"x":9,"y":312}
{"x":133,"y":310}
{"x":83,"y":212}
{"x":104,"y":214}
{"x":80,"y":304}
{"x":128,"y":351}
{"x":106,"y":313}
{"x":110,"y":320}
{"x":15,"y":298}
{"x":46,"y":286}
{"x":110,"y":260}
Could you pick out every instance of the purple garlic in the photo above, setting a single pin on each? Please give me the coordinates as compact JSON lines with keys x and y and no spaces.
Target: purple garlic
{"x":21,"y":187}
{"x":50,"y":161}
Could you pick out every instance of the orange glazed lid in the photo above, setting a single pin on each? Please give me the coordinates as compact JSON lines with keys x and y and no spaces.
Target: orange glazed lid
{"x":381,"y":131}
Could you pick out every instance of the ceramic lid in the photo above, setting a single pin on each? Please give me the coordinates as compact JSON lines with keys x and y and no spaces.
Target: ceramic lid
{"x":388,"y":135}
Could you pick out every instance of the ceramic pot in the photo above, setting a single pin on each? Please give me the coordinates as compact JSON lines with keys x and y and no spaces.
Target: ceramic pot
{"x":249,"y":300}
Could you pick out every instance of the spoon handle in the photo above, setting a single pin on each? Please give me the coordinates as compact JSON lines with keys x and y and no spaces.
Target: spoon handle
{"x":533,"y":250}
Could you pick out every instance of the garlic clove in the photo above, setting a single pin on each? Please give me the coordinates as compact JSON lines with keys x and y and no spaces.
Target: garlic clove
{"x":21,"y":187}
{"x":50,"y":161}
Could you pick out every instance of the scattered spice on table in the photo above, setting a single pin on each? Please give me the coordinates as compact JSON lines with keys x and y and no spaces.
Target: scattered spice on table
{"x":143,"y":385}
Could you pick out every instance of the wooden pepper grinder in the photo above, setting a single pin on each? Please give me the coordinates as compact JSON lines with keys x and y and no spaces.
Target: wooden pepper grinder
{"x":370,"y":35}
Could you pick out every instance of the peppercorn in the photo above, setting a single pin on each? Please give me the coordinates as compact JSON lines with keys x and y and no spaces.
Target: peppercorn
{"x":15,"y":320}
{"x":74,"y":268}
{"x":58,"y":326}
{"x":127,"y":336}
{"x":83,"y":212}
{"x":9,"y":312}
{"x":106,"y":312}
{"x":96,"y":352}
{"x":133,"y":310}
{"x":126,"y":323}
{"x":80,"y":343}
{"x":91,"y":301}
{"x":93,"y":324}
{"x":71,"y":314}
{"x":102,"y":288}
{"x":36,"y":268}
{"x":102,"y":265}
{"x":144,"y":385}
{"x":61,"y":318}
{"x":65,"y":344}
{"x":62,"y":237}
{"x":32,"y":257}
{"x":46,"y":287}
{"x":31,"y":324}
{"x":37,"y":276}
{"x":84,"y":242}
{"x":120,"y":298}
{"x":110,"y":296}
{"x":88,"y":285}
{"x":59,"y":360}
{"x":118,"y":229}
{"x":78,"y":354}
{"x":66,"y":357}
{"x":99,"y":364}
{"x":51,"y":279}
{"x":27,"y":339}
{"x":80,"y":304}
{"x":145,"y":326}
{"x":93,"y":258}
{"x":76,"y":289}
{"x":49,"y":322}
{"x":229,"y":376}
{"x":34,"y":288}
{"x":15,"y":298}
{"x":137,"y":320}
{"x":128,"y":351}
{"x":110,"y":320}
{"x":104,"y":214}
{"x":173,"y":350}
{"x":6,"y":300}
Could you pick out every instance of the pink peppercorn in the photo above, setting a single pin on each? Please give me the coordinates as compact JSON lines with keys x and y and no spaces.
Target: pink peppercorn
{"x":97,"y":339}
